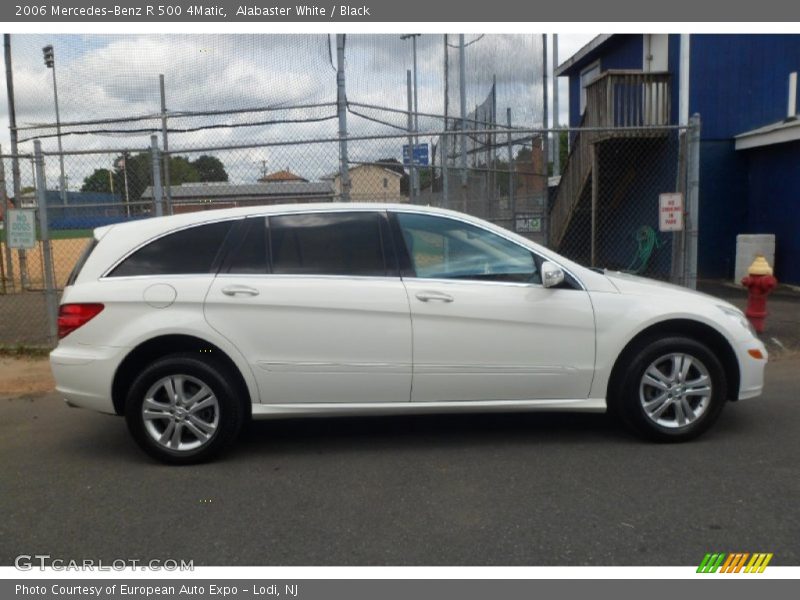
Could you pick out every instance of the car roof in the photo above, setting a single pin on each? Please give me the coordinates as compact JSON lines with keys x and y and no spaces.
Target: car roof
{"x":168,"y":223}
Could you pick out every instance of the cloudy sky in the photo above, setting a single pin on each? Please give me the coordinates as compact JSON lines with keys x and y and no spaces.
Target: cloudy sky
{"x":116,"y":76}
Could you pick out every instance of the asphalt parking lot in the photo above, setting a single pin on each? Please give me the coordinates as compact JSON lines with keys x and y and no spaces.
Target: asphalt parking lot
{"x":535,"y":489}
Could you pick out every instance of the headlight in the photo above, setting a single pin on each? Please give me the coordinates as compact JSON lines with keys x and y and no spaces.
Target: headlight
{"x":738,"y":316}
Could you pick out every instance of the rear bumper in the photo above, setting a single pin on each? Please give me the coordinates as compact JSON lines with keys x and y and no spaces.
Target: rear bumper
{"x":84,"y":375}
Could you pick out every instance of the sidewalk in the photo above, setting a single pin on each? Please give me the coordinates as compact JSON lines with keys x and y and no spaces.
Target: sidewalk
{"x":782,"y":329}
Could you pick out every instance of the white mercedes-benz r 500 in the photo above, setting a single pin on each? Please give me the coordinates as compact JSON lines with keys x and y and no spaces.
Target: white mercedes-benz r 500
{"x":191,"y":325}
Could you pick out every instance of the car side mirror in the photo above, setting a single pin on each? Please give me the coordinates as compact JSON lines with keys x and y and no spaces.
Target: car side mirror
{"x":552,"y":275}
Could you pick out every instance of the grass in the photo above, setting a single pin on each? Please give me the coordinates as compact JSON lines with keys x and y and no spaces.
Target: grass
{"x":24,"y":351}
{"x":60,"y":234}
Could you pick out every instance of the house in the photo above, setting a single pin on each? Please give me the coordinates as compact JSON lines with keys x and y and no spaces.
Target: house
{"x":370,"y":182}
{"x":742,"y":88}
{"x":191,"y":197}
{"x":284,"y":175}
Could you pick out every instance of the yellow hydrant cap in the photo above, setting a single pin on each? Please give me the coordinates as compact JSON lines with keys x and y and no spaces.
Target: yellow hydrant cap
{"x":760,"y":266}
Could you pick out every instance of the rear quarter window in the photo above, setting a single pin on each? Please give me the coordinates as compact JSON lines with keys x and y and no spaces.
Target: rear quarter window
{"x":186,"y":252}
{"x":85,"y":253}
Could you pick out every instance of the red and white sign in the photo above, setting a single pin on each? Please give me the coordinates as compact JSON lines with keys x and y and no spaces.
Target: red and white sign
{"x":670,"y":212}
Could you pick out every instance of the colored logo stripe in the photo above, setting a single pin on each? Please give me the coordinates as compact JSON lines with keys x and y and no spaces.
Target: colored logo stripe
{"x":758,"y":563}
{"x":734,"y":562}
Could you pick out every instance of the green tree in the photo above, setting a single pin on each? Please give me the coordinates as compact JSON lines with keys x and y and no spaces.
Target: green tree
{"x":181,"y":170}
{"x":563,"y":151}
{"x":99,"y":181}
{"x":210,"y":168}
{"x":139,"y":170}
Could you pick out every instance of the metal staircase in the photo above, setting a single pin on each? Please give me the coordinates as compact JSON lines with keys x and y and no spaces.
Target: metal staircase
{"x":619,"y":104}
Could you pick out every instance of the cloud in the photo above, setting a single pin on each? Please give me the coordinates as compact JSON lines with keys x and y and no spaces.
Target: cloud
{"x":112,"y":76}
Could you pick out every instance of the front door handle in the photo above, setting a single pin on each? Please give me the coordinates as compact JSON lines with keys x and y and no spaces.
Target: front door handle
{"x":239,"y":290}
{"x":434,"y":296}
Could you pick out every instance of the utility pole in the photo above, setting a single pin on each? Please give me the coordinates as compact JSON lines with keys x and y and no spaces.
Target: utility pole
{"x":341,"y":105}
{"x":50,"y":63}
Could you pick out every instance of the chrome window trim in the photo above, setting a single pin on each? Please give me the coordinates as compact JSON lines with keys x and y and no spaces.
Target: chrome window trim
{"x":338,"y":209}
{"x":307,"y":276}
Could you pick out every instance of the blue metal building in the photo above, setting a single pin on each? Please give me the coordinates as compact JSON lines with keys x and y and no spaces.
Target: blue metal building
{"x":750,"y":136}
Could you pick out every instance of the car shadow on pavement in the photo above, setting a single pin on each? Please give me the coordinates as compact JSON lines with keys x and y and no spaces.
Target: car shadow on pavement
{"x":428,"y":432}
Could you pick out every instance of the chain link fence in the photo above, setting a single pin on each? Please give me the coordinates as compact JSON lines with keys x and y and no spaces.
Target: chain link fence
{"x":602,"y":211}
{"x":186,"y":123}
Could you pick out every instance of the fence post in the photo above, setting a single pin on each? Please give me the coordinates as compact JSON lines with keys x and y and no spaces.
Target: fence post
{"x":677,"y":275}
{"x":512,"y":200}
{"x":165,"y":138}
{"x":692,"y":201}
{"x":595,"y":192}
{"x":444,"y":153}
{"x":412,"y":171}
{"x":341,"y":109}
{"x":158,"y":193}
{"x":51,"y":305}
{"x":8,"y":268}
{"x":462,"y":90}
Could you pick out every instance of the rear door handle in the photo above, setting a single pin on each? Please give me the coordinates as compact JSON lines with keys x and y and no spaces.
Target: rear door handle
{"x":239,"y":290}
{"x":434,"y":296}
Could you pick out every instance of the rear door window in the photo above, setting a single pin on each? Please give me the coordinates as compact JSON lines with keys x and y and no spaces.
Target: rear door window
{"x":248,"y":255}
{"x":328,"y":244}
{"x":186,"y":252}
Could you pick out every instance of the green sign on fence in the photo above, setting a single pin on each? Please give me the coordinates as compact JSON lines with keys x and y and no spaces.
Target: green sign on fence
{"x":21,"y":228}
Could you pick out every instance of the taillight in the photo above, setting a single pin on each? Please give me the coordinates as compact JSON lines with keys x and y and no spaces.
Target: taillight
{"x":72,"y":316}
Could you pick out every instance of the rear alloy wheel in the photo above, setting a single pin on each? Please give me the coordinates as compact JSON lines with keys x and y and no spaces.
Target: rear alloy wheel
{"x":182,"y":410}
{"x":674,"y":390}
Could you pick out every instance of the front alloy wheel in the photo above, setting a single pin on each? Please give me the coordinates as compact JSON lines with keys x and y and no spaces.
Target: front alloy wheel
{"x":675,"y":390}
{"x":672,"y":389}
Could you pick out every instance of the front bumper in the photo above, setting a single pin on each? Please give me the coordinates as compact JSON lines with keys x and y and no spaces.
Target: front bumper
{"x":751,"y":369}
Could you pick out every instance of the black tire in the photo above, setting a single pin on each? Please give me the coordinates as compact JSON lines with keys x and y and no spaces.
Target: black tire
{"x":633,"y":393}
{"x":219,"y":421}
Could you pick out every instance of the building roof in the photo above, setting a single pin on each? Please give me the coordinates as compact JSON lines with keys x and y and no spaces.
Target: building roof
{"x":384,"y":167}
{"x":787,"y":130}
{"x":583,"y":56}
{"x":283,"y":175}
{"x":244,"y":190}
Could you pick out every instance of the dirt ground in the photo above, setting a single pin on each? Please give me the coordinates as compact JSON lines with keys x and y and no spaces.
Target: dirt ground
{"x":65,"y":255}
{"x":22,"y":376}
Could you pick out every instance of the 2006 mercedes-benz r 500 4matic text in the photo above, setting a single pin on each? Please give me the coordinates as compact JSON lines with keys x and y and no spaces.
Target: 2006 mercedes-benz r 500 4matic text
{"x":190,"y":325}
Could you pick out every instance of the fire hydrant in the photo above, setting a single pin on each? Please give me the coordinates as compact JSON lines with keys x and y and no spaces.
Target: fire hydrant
{"x":759,"y":283}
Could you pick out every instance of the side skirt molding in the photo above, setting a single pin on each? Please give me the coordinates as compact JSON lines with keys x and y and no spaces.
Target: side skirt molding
{"x":331,"y":409}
